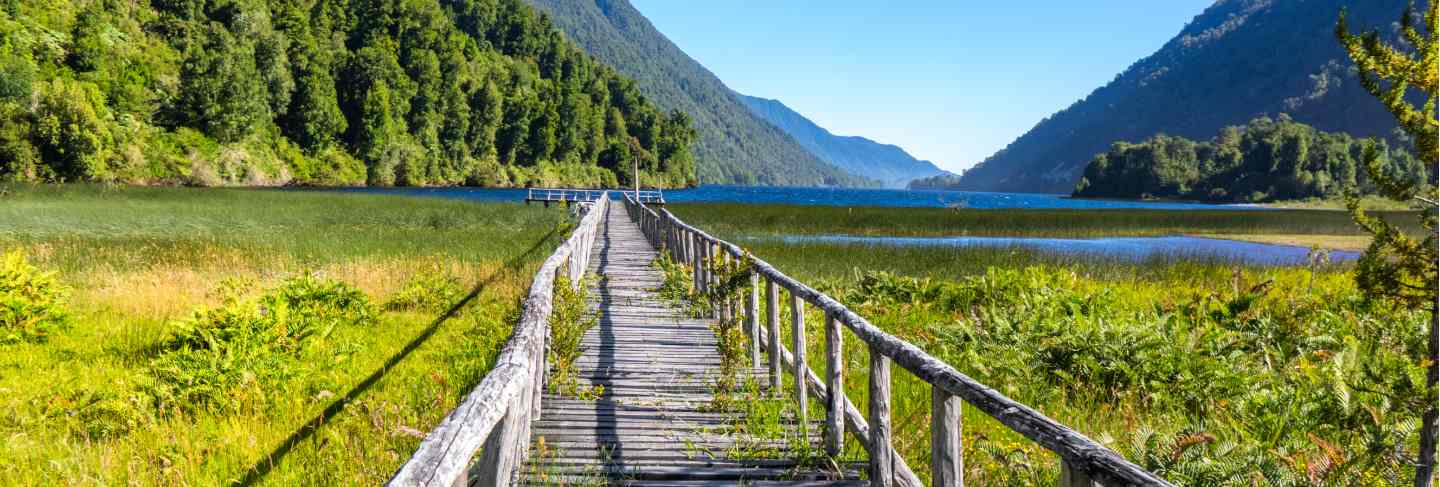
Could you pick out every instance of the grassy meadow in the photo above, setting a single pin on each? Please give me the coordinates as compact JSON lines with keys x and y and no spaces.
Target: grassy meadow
{"x":1326,"y":228}
{"x":1205,"y":372}
{"x":248,"y":337}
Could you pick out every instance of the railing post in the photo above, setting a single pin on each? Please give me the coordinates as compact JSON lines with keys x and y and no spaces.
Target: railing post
{"x":726,"y":311}
{"x":772,"y":324}
{"x":498,"y":455}
{"x":695,"y":262}
{"x":882,"y":468}
{"x":707,"y":259}
{"x":752,"y":318}
{"x":1074,"y":477}
{"x":947,"y":464}
{"x":801,"y":371}
{"x":834,"y":387}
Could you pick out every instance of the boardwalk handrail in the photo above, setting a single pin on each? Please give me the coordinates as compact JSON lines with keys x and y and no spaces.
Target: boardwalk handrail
{"x":497,"y":413}
{"x":1083,"y":461}
{"x":567,"y":195}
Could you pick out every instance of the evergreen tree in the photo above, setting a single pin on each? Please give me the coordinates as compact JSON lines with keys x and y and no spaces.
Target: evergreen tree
{"x":221,"y":90}
{"x":1396,"y":266}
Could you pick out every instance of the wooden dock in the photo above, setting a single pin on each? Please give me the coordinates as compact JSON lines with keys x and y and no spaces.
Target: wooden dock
{"x":653,"y":424}
{"x":567,"y":196}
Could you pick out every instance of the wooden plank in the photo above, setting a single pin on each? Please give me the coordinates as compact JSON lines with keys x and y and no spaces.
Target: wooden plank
{"x":881,"y":455}
{"x":772,"y":322}
{"x":947,"y":465}
{"x":1072,"y":476}
{"x":752,"y":319}
{"x":797,"y":335}
{"x":835,"y":388}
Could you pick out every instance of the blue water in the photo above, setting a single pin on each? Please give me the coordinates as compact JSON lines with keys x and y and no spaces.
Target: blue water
{"x":840,"y":197}
{"x":1134,"y":248}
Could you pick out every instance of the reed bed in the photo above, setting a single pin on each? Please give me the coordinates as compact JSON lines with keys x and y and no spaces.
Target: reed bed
{"x":143,"y":266}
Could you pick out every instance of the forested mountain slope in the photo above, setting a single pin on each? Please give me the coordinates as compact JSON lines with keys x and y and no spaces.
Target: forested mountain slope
{"x":890,"y":165}
{"x":1237,"y":60}
{"x":734,"y":146}
{"x":483,"y":92}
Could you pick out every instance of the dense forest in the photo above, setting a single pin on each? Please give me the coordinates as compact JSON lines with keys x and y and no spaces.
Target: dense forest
{"x":322,"y":92}
{"x":1265,"y":160}
{"x":734,"y":146}
{"x":1237,"y":60}
{"x":888,"y":164}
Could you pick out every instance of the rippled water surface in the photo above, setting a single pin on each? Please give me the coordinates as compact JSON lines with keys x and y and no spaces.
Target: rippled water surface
{"x":1137,"y":248}
{"x":840,"y":197}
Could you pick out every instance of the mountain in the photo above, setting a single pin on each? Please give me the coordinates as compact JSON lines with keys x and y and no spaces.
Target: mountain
{"x":1237,"y":60}
{"x":319,"y":92}
{"x":735,"y":146}
{"x":889,"y":164}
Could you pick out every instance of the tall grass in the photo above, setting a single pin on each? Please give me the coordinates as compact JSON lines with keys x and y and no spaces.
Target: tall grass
{"x":730,"y":220}
{"x":139,"y":262}
{"x":1205,"y":372}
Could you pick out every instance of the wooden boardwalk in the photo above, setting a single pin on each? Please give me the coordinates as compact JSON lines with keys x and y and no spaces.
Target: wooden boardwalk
{"x":653,"y":424}
{"x":656,"y":422}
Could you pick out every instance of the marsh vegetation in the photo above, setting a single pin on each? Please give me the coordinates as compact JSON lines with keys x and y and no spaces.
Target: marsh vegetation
{"x":246,"y":336}
{"x":1205,"y":372}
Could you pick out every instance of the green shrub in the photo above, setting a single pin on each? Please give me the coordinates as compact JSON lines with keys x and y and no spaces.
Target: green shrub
{"x":31,"y":302}
{"x":97,"y":415}
{"x":1262,"y":377}
{"x":569,"y":320}
{"x":428,"y":292}
{"x":249,"y":344}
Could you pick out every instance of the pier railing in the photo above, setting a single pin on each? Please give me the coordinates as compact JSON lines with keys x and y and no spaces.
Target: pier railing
{"x":567,"y":195}
{"x":1083,"y":462}
{"x":497,"y":413}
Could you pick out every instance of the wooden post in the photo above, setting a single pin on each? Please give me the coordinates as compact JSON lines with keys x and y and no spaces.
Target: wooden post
{"x":726,"y":311}
{"x":772,"y":324}
{"x":1074,"y":477}
{"x":707,"y":259}
{"x":696,"y":263}
{"x":752,"y":318}
{"x":498,"y":456}
{"x":802,"y":370}
{"x":834,"y":387}
{"x":947,"y":464}
{"x":882,"y":468}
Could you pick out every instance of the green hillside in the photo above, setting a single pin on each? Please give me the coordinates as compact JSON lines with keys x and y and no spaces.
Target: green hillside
{"x":324,"y":92}
{"x":1265,"y":160}
{"x":890,"y":165}
{"x":1238,"y":60}
{"x":734,"y":145}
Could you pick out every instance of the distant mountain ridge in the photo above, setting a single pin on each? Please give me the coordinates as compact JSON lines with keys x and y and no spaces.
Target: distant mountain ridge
{"x":1237,"y":60}
{"x":889,"y":164}
{"x":734,"y":146}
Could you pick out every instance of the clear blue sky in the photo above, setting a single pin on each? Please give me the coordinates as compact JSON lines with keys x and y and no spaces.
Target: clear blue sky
{"x":948,"y":80}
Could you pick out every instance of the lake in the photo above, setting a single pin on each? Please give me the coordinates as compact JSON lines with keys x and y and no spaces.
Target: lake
{"x":1134,"y":248}
{"x":767,"y":195}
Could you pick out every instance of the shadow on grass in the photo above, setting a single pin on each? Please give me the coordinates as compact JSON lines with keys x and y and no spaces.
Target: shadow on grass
{"x":268,"y":463}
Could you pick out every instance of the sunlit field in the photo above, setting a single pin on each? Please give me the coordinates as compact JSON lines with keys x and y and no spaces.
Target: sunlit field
{"x":1204,"y":372}
{"x":251,"y":336}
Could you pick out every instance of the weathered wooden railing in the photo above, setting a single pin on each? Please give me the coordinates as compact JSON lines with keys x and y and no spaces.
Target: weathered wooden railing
{"x":498,"y":412}
{"x":1083,"y":461}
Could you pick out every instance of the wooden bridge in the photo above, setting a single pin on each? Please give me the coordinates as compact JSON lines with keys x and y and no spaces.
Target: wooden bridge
{"x":653,"y":422}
